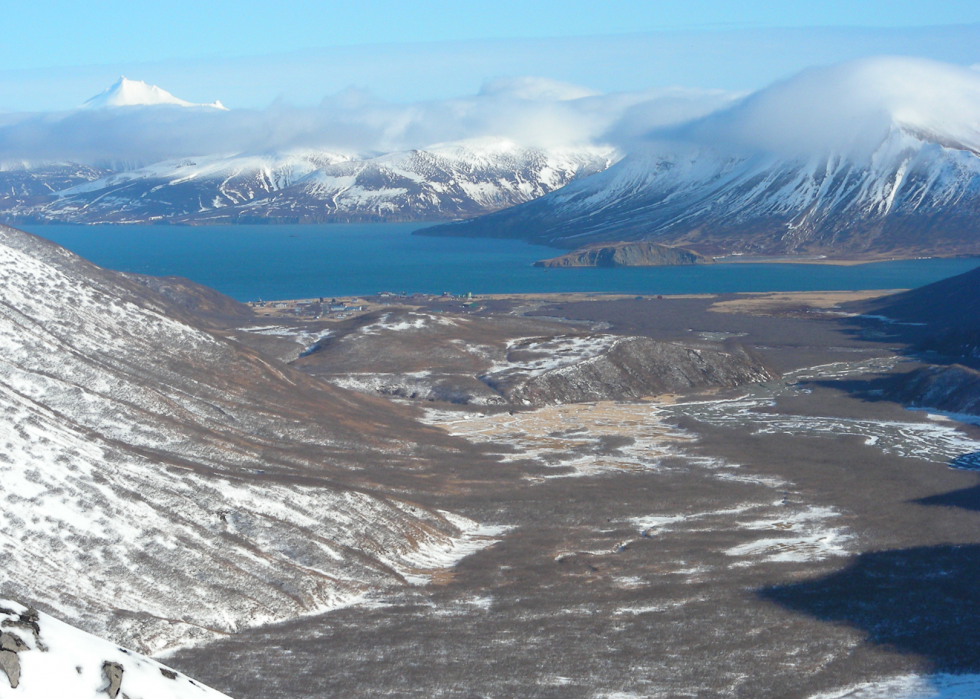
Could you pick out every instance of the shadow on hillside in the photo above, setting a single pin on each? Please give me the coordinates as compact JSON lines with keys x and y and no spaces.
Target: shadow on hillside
{"x":951,"y":389}
{"x":965,"y":498}
{"x":923,"y":601}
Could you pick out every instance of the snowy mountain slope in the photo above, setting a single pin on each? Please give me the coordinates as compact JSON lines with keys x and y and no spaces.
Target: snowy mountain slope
{"x":136,"y":93}
{"x":29,"y":182}
{"x":874,"y":156}
{"x":163,"y":485}
{"x":443,"y":182}
{"x":46,"y":658}
{"x":175,"y":189}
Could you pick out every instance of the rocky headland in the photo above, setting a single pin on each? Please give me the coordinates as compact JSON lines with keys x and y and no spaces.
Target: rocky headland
{"x":627,"y":254}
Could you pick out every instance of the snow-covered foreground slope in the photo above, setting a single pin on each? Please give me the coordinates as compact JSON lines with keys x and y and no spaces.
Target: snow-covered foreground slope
{"x":879,"y":155}
{"x":44,"y":658}
{"x":163,"y":485}
{"x":442,"y":182}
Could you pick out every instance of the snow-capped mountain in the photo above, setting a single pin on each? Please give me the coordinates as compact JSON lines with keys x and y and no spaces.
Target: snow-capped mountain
{"x":136,"y":93}
{"x":164,"y":485}
{"x":439,"y":183}
{"x":879,"y":156}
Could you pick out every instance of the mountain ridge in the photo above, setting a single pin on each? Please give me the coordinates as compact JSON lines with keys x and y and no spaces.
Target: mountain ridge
{"x":457,"y":180}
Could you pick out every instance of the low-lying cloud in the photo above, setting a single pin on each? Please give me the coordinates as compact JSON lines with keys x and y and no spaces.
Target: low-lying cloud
{"x":848,"y":109}
{"x":533,"y":112}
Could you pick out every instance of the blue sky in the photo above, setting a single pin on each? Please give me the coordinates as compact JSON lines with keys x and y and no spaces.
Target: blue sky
{"x":44,"y":33}
{"x":56,"y":54}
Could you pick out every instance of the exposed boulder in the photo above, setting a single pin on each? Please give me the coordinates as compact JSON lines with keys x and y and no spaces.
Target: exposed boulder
{"x":10,"y":664}
{"x":113,"y":675}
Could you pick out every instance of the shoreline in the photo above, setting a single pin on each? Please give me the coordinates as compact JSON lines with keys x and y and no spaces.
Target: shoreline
{"x":841,"y":262}
{"x":739,"y":301}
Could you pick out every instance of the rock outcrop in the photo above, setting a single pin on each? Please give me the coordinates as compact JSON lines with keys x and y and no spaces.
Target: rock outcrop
{"x":627,"y":254}
{"x":629,"y":368}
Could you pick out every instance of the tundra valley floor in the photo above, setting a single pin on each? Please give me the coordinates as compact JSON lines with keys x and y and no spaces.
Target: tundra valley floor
{"x":756,"y":520}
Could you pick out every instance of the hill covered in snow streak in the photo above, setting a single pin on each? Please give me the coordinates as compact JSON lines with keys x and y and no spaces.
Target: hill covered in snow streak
{"x":163,"y":485}
{"x":878,"y":156}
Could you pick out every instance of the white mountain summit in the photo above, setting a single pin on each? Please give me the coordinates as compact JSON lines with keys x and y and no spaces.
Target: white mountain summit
{"x":133,"y":93}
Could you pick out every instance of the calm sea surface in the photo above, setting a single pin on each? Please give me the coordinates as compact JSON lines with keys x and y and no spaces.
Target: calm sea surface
{"x":281,"y":262}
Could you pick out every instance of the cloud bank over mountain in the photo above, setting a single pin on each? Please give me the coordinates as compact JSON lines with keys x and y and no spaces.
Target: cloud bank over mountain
{"x":532,"y":111}
{"x":848,"y":109}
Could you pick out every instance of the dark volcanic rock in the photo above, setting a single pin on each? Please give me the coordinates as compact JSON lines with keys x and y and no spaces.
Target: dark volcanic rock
{"x":635,"y":254}
{"x":520,"y":361}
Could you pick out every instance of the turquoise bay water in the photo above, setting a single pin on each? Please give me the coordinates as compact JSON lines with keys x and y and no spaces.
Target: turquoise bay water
{"x":291,"y":261}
